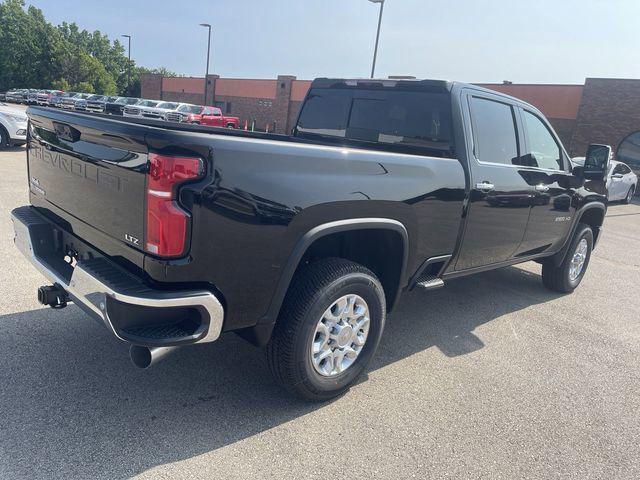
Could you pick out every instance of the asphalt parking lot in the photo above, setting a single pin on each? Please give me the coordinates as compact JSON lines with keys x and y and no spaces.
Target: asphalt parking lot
{"x":491,"y":377}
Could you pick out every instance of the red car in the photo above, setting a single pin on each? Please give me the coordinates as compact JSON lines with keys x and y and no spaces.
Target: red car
{"x":202,"y":115}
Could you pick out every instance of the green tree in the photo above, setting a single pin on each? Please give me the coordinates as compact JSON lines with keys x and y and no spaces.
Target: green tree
{"x":60,"y":84}
{"x":36,"y":54}
{"x":85,"y":87}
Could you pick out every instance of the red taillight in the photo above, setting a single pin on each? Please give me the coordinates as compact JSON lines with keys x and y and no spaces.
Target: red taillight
{"x":166,"y":222}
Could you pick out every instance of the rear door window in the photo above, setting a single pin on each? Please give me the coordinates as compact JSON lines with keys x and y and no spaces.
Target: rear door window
{"x":402,"y":119}
{"x":494,"y":127}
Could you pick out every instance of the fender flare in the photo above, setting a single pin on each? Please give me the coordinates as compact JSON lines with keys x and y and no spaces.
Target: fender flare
{"x":558,"y":258}
{"x":322,"y":231}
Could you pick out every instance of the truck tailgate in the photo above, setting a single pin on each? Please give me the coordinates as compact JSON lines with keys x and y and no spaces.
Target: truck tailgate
{"x":93,"y":170}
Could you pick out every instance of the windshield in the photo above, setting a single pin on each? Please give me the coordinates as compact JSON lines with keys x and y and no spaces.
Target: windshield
{"x":96,"y":97}
{"x":414,"y":119}
{"x":168,"y":105}
{"x":147,"y":103}
{"x":190,"y":109}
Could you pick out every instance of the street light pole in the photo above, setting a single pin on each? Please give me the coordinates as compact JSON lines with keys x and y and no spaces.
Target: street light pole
{"x":128,"y":37}
{"x":206,"y":77}
{"x":375,"y":51}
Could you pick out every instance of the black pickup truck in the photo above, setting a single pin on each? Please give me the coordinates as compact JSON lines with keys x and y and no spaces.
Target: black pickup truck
{"x":171,"y":234}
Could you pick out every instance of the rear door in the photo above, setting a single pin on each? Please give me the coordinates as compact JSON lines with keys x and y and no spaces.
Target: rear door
{"x":501,"y":197}
{"x":553,"y":209}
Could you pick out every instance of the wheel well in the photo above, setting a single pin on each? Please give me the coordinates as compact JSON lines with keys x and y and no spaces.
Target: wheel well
{"x":380,"y":250}
{"x":594,"y":217}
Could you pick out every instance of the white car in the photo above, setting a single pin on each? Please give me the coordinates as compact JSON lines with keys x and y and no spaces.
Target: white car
{"x":13,"y":126}
{"x":154,"y":112}
{"x":621,"y":182}
{"x":136,"y":109}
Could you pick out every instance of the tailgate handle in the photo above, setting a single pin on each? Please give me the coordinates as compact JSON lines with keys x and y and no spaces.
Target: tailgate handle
{"x":66,"y":132}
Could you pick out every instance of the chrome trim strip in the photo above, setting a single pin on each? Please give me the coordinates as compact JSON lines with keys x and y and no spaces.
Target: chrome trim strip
{"x":86,"y":289}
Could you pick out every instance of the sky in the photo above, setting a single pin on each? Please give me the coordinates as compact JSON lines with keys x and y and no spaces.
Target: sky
{"x":524,"y":41}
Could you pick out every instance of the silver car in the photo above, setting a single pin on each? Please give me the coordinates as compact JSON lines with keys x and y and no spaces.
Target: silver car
{"x":153,"y":112}
{"x":136,"y":109}
{"x":621,"y":182}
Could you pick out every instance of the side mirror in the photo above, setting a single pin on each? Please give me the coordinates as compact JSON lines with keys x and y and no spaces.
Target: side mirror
{"x":596,"y":162}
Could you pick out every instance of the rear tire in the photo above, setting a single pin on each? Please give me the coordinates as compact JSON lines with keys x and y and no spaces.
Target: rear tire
{"x":566,"y":277}
{"x":629,"y":197}
{"x":317,"y":362}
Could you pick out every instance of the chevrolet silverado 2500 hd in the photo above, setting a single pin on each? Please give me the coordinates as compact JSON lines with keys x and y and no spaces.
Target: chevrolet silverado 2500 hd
{"x":170,"y":234}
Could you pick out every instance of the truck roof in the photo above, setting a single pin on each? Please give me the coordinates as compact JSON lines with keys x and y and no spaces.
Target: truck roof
{"x":410,"y":84}
{"x":403,"y":84}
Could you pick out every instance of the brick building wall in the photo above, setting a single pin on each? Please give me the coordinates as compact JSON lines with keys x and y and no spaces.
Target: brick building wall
{"x":564,"y":127}
{"x":609,"y":112}
{"x":151,"y":86}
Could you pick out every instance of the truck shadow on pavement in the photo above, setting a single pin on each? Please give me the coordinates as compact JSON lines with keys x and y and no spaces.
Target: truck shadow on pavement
{"x":73,"y":406}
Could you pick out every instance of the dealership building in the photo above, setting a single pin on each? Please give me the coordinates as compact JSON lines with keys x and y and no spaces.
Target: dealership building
{"x":603,"y":110}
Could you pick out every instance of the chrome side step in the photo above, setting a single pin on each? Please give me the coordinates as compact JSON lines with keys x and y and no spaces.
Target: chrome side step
{"x":430,"y":283}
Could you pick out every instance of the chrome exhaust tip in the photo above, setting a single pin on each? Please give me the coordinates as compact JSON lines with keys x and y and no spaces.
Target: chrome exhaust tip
{"x":144,"y":357}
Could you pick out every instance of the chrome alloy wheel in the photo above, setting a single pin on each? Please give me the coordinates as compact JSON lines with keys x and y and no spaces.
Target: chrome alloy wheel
{"x":340,"y":335}
{"x":577,"y":262}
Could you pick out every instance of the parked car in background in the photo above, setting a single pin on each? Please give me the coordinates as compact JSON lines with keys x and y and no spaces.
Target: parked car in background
{"x":70,"y":102}
{"x":81,"y":103}
{"x":96,"y":103}
{"x":116,"y":106}
{"x":621,"y":182}
{"x":32,"y":96}
{"x":56,"y":100}
{"x":201,"y":115}
{"x":13,"y":126}
{"x":159,"y":111}
{"x":45,"y":97}
{"x":135,"y":110}
{"x":14,"y":96}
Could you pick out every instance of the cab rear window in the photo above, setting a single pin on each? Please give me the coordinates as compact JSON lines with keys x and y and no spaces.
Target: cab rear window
{"x":409,"y":120}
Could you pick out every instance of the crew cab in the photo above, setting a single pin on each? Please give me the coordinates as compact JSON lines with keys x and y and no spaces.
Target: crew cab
{"x":170,"y":234}
{"x":201,"y":115}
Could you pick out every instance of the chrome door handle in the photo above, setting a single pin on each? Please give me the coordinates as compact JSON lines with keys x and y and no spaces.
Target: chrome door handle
{"x":541,"y":188}
{"x":485,"y":186}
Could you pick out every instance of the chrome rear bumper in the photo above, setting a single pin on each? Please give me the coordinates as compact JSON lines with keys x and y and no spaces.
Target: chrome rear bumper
{"x":106,"y":291}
